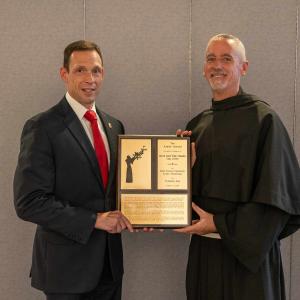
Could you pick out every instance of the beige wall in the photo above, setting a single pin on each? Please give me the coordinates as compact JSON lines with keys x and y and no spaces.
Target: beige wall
{"x":153,"y":51}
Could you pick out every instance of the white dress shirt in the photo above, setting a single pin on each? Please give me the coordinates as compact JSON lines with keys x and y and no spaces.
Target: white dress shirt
{"x":80,"y":110}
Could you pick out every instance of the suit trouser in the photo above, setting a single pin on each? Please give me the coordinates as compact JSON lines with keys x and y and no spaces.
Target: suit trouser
{"x":107,"y":289}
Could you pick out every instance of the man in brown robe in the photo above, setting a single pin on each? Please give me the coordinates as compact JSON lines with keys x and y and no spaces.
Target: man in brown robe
{"x":246,"y":187}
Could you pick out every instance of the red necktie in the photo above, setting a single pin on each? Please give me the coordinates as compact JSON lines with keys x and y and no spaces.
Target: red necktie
{"x":101,"y":154}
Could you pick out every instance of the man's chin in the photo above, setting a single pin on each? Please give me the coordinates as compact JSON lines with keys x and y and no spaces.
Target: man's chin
{"x":218,"y":87}
{"x":89,"y":98}
{"x":87,"y":102}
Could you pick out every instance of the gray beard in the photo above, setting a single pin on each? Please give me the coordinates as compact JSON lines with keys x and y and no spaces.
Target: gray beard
{"x":217,"y":86}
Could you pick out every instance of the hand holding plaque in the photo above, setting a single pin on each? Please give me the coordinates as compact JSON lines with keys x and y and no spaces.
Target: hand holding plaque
{"x":154,"y":180}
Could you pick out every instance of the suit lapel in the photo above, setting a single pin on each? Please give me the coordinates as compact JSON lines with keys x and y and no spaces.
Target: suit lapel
{"x":73,"y":124}
{"x":110,"y":134}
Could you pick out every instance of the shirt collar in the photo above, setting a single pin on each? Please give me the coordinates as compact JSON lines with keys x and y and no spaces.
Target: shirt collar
{"x":78,"y":108}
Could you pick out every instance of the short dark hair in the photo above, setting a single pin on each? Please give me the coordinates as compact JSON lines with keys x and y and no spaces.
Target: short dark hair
{"x":80,"y":45}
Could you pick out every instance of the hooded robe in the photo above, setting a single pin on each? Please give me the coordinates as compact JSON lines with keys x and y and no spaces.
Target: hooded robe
{"x":246,"y":173}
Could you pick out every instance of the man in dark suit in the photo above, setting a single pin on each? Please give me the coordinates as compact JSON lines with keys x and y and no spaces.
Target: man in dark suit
{"x":65,"y":183}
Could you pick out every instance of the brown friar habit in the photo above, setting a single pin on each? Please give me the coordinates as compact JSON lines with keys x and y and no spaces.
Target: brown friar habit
{"x":247,"y":175}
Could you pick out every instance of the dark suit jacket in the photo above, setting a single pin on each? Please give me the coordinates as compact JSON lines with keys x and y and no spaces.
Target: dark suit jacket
{"x":58,"y":186}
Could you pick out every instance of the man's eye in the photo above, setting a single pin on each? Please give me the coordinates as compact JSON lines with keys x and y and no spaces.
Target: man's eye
{"x":210,"y":59}
{"x":97,"y":71}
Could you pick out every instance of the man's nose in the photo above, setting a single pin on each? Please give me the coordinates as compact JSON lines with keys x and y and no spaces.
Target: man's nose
{"x":217,"y":63}
{"x":89,"y":77}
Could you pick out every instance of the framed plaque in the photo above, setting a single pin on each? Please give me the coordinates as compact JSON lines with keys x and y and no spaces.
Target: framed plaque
{"x":154,"y":180}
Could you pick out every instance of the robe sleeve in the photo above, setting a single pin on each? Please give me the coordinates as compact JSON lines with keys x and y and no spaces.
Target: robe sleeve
{"x":250,"y":231}
{"x":277,"y":176}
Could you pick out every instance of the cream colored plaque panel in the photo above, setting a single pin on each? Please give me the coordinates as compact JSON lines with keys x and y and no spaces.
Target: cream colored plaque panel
{"x":172,"y":164}
{"x":135,"y":164}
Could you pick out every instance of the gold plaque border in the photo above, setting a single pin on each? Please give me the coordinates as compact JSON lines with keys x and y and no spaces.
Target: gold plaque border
{"x":154,"y":189}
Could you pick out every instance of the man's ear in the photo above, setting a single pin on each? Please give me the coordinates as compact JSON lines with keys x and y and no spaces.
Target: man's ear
{"x":63,"y":74}
{"x":203,"y":70}
{"x":245,"y":66}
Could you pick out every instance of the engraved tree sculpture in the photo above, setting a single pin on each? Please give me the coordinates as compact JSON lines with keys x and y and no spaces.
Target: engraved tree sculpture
{"x":129,"y":161}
